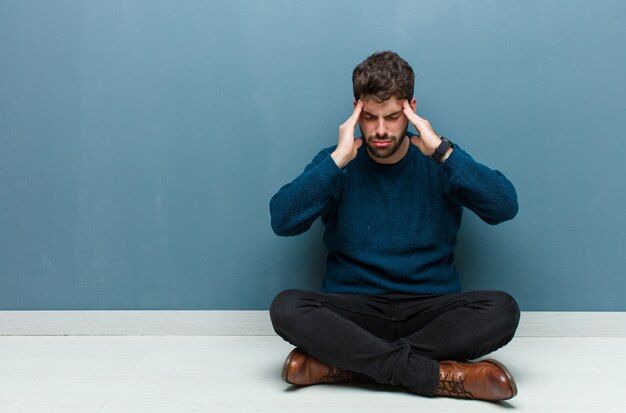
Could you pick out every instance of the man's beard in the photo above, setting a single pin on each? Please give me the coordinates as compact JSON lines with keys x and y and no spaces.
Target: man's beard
{"x":388,"y":151}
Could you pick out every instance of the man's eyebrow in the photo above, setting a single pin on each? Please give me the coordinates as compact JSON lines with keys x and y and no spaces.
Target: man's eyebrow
{"x":384,"y":116}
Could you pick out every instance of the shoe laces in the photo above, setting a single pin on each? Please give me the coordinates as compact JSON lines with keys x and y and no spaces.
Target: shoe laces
{"x":450,"y":385}
{"x":337,"y":374}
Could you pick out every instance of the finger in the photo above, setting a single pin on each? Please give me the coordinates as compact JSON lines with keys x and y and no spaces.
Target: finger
{"x":357,"y":143}
{"x":418,"y":117}
{"x":407,"y":107}
{"x":408,"y":111}
{"x":419,"y":123}
{"x":357,"y":109}
{"x":356,"y":113}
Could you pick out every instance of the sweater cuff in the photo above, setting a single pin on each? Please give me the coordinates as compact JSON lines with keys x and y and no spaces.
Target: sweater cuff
{"x":456,"y":162}
{"x":328,"y":170}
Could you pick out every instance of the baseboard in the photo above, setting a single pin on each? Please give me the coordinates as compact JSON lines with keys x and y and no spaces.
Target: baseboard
{"x":156,"y":322}
{"x":257,"y":323}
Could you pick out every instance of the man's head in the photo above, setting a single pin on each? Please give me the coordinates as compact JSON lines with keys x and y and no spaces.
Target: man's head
{"x":382,"y":82}
{"x":381,"y":76}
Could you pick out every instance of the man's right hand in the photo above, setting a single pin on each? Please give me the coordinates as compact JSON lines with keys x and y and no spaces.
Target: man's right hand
{"x":347,"y":146}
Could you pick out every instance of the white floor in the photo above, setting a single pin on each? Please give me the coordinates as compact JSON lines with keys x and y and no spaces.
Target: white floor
{"x":242,"y":374}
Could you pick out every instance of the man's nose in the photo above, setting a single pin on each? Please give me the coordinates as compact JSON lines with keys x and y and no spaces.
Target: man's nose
{"x":380,"y":127}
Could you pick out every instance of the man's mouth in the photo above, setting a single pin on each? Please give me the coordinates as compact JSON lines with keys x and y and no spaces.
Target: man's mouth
{"x":381,"y":144}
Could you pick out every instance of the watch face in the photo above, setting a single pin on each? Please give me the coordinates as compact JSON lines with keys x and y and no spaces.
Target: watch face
{"x":441,"y":150}
{"x":443,"y":147}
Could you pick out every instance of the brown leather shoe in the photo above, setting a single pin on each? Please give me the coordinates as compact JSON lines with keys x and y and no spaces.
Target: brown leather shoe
{"x":302,"y":369}
{"x":483,"y":380}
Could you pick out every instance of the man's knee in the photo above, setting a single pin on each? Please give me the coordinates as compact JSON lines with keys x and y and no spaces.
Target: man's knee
{"x":283,"y":309}
{"x":506,"y":310}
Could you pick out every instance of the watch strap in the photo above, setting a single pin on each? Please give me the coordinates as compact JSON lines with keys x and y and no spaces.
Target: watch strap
{"x":441,"y":150}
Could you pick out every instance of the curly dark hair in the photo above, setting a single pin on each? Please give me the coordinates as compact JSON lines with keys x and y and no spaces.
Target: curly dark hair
{"x":381,"y":76}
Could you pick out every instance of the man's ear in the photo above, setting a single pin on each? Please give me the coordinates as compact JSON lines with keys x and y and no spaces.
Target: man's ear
{"x":413,"y":104}
{"x":354,"y":103}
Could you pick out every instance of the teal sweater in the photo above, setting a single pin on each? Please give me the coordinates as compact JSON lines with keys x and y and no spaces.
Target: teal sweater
{"x":391,"y":228}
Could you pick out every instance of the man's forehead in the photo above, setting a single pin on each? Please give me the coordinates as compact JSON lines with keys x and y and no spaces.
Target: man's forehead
{"x":388,"y":107}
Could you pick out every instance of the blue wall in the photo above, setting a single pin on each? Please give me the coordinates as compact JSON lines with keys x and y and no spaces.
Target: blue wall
{"x":141,"y":141}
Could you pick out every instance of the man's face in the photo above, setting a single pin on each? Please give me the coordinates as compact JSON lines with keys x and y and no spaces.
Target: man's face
{"x":383,"y":126}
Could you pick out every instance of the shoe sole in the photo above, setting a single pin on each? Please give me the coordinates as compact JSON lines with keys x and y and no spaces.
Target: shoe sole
{"x":507,"y":373}
{"x":283,"y":374}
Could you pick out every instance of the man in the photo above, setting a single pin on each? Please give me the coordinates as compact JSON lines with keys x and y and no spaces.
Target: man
{"x":390,"y":309}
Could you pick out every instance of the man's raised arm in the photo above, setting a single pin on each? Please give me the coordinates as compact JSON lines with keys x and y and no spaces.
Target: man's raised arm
{"x":297,"y":205}
{"x":485,"y":191}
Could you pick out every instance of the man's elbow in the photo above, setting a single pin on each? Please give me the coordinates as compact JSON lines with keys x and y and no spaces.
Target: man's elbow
{"x":509,"y":207}
{"x":283,"y":228}
{"x":277,"y":218}
{"x":507,"y":212}
{"x":284,"y":224}
{"x":511,"y":211}
{"x":279,"y":227}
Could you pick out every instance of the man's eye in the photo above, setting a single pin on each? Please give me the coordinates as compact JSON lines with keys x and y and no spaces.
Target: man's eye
{"x":393,"y":117}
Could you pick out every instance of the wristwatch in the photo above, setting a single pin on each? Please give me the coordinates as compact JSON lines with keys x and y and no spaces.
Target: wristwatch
{"x":441,"y":150}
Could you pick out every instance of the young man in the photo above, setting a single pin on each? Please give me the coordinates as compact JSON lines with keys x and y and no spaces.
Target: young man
{"x":390,"y":309}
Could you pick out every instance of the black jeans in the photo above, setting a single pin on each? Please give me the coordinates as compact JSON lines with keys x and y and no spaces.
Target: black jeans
{"x":395,"y":338}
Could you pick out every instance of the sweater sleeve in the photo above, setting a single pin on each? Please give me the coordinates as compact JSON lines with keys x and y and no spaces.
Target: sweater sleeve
{"x":298,"y":204}
{"x":485,"y":191}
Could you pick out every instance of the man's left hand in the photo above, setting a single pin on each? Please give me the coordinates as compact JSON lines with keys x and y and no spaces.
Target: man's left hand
{"x":428,"y":140}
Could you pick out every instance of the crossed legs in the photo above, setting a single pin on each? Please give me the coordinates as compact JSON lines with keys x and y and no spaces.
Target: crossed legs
{"x":395,"y":339}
